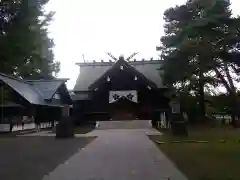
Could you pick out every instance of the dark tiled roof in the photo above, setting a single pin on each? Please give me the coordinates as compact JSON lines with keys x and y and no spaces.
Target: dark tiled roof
{"x":81,"y":96}
{"x":128,"y":68}
{"x":23,"y":89}
{"x":35,"y":92}
{"x":47,"y":88}
{"x":11,"y":104}
{"x":90,"y":72}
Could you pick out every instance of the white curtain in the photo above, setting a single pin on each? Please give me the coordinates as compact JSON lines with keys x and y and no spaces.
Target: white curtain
{"x":116,"y":95}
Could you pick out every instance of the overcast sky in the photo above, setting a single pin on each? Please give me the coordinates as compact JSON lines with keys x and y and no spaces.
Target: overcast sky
{"x":93,"y":27}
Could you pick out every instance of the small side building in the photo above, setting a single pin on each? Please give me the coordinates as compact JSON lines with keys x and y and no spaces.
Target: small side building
{"x":31,"y":97}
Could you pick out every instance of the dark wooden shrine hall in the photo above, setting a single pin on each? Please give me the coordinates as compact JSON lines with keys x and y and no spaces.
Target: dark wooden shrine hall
{"x":119,"y":90}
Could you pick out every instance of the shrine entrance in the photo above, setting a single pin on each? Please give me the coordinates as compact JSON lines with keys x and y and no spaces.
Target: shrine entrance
{"x":123,"y":110}
{"x":123,"y":105}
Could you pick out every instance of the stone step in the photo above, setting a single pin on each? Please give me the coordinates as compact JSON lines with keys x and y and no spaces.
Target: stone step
{"x":131,"y":124}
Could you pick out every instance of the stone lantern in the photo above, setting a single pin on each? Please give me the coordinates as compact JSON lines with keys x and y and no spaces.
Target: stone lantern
{"x":178,"y":124}
{"x":65,"y":127}
{"x":175,"y":106}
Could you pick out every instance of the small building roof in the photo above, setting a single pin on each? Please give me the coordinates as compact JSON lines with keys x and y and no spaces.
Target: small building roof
{"x":23,"y":89}
{"x":10,"y":104}
{"x":81,"y":96}
{"x":47,"y":88}
{"x":36,"y":92}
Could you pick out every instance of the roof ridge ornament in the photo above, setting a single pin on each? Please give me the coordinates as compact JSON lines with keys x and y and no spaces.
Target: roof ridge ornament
{"x":121,"y":57}
{"x":113,"y":57}
{"x":132,"y":55}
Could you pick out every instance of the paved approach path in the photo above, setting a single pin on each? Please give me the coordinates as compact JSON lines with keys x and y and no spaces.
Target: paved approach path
{"x":134,"y":124}
{"x":118,"y":154}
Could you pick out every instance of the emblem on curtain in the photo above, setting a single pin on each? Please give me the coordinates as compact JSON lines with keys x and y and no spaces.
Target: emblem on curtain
{"x":130,"y":96}
{"x":116,"y":95}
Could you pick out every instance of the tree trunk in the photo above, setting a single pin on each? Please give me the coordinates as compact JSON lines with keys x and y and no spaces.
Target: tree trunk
{"x":231,"y":89}
{"x":229,"y":78}
{"x":234,"y":111}
{"x":233,"y":96}
{"x":201,"y":99}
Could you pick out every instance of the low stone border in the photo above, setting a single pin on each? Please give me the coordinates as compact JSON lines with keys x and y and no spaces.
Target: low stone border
{"x":222,"y":141}
{"x":192,"y":141}
{"x":160,"y":142}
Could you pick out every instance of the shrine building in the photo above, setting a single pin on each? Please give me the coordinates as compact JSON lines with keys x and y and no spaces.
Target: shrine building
{"x":122,"y":89}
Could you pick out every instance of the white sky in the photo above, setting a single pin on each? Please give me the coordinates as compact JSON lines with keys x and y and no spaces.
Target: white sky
{"x":93,"y":27}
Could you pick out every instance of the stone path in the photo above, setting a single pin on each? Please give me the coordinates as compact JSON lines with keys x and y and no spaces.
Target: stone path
{"x":118,"y":154}
{"x":134,"y":124}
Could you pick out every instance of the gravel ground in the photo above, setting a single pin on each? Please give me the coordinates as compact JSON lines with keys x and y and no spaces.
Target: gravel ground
{"x":30,"y":158}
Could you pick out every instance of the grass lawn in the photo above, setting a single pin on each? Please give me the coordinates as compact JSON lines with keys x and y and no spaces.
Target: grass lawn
{"x":15,"y":133}
{"x":83,"y":129}
{"x":30,"y":158}
{"x":205,"y":161}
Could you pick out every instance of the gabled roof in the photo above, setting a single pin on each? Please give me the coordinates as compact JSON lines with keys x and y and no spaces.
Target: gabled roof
{"x":81,"y":96}
{"x":87,"y":75}
{"x":23,"y":89}
{"x":91,"y":71}
{"x":127,"y":68}
{"x":47,"y":88}
{"x":10,"y":104}
{"x":35,"y":92}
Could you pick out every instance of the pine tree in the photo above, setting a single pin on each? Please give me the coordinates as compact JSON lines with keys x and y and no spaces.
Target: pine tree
{"x":26,"y":49}
{"x":203,"y":45}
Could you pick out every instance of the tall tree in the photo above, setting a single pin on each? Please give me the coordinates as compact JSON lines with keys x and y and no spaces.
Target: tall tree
{"x":26,"y":49}
{"x":203,"y":45}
